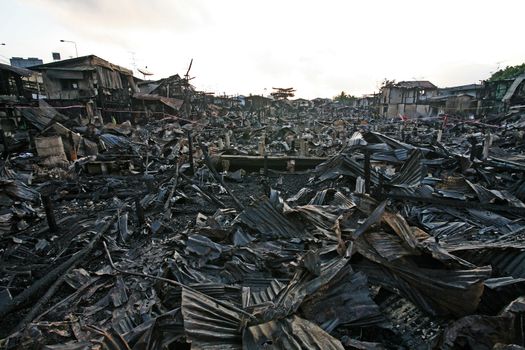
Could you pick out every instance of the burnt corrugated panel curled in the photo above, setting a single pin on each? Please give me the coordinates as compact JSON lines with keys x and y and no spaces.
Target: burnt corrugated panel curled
{"x":19,"y":190}
{"x":267,"y":294}
{"x":375,"y":137}
{"x":345,"y":165}
{"x":292,"y":333}
{"x":210,"y":325}
{"x":437,"y":291}
{"x":345,"y":300}
{"x":232,"y":294}
{"x":506,"y":261}
{"x":317,"y":219}
{"x":158,"y":333}
{"x":388,"y":246}
{"x":303,"y":284}
{"x":341,"y":201}
{"x":374,"y":217}
{"x":411,"y":173}
{"x":321,"y":196}
{"x":263,"y":217}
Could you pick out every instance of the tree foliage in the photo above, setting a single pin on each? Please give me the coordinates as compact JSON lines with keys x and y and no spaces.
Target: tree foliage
{"x":345,"y":98}
{"x":510,"y":72}
{"x":388,"y":83}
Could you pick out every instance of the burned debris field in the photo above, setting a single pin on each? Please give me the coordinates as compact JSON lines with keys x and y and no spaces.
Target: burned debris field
{"x":141,"y":214}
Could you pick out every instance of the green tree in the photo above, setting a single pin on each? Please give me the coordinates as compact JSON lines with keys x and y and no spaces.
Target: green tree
{"x":344,"y":98}
{"x":510,"y":72}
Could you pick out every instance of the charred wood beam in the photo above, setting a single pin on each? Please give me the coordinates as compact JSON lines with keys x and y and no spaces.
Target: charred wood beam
{"x":121,"y":195}
{"x":50,"y":213}
{"x":255,"y":163}
{"x":367,"y":171}
{"x":190,"y":149}
{"x":44,"y":300}
{"x":5,"y":144}
{"x":140,"y":211}
{"x":40,"y":285}
{"x":210,"y":197}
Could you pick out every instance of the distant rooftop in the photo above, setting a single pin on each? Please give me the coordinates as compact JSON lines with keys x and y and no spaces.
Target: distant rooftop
{"x":92,"y":60}
{"x":423,"y":84}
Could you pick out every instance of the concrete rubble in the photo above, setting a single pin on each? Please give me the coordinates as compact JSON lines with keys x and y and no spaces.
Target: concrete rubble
{"x":151,"y":215}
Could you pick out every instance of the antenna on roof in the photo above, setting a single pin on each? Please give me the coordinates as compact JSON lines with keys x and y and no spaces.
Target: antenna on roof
{"x":144,"y":72}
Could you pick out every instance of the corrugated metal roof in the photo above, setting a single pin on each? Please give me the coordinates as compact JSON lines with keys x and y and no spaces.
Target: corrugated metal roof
{"x":422,"y":84}
{"x":18,"y":71}
{"x":512,"y":89}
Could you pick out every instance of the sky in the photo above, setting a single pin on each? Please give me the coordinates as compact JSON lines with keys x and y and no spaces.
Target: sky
{"x":249,"y":46}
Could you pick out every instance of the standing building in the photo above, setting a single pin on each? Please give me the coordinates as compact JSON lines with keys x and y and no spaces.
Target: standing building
{"x":462,"y":100}
{"x":500,"y":95}
{"x":407,"y":98}
{"x":25,"y":62}
{"x":107,"y":87}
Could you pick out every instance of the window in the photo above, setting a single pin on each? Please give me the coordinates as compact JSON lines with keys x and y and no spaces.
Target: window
{"x":69,"y":84}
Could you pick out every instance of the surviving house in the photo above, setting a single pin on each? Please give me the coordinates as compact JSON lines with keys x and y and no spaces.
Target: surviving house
{"x":302,"y":104}
{"x":164,"y":96}
{"x":366,"y":102}
{"x":257,"y":102}
{"x":18,"y":87}
{"x":500,"y":95}
{"x":407,"y":98}
{"x":463,"y":100}
{"x":80,"y":80}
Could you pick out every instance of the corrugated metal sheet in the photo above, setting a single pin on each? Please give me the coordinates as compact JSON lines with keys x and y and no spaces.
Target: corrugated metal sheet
{"x":209,"y":325}
{"x":263,"y":217}
{"x":506,"y":261}
{"x":293,"y":333}
{"x":436,"y":291}
{"x":512,"y":89}
{"x":344,"y":165}
{"x":17,"y":70}
{"x":411,"y":173}
{"x":267,"y":294}
{"x":344,"y":300}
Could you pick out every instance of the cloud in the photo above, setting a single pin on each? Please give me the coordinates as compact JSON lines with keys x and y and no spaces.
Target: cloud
{"x":124,"y":22}
{"x":318,"y":47}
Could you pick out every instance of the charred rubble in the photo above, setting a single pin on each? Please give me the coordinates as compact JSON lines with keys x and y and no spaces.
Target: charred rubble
{"x":271,"y":225}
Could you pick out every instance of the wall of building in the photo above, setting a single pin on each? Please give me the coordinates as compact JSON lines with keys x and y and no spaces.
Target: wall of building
{"x":64,"y":89}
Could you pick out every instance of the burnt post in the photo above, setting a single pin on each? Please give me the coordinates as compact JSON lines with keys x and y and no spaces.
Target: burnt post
{"x":73,"y":155}
{"x":378,"y":193}
{"x":4,"y":143}
{"x":190,"y":146}
{"x":367,"y":171}
{"x":50,"y":214}
{"x":140,"y":211}
{"x":265,"y":165}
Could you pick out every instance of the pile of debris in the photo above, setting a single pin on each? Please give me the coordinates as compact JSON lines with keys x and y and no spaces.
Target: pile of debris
{"x":173,"y":234}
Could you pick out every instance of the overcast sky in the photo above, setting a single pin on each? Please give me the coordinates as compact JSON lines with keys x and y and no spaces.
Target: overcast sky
{"x":246,"y":46}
